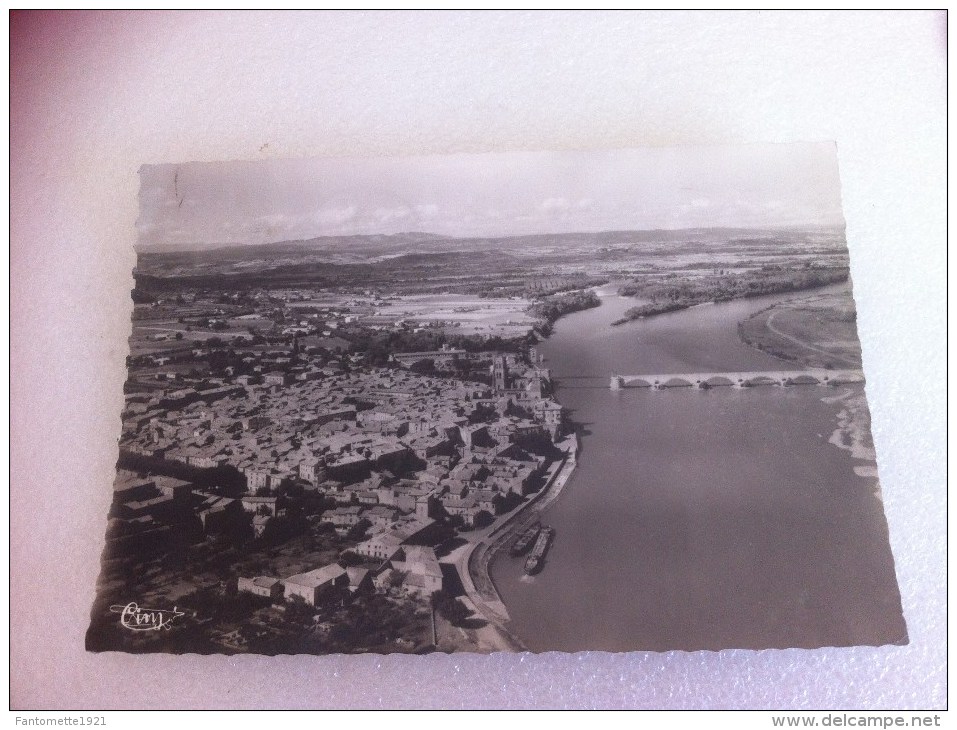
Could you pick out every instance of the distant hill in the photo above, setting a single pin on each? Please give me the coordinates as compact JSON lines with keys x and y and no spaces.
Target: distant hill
{"x":393,"y":243}
{"x":226,"y":252}
{"x":342,"y":260}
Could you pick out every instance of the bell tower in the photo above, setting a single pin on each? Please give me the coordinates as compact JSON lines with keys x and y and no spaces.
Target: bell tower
{"x":500,"y":373}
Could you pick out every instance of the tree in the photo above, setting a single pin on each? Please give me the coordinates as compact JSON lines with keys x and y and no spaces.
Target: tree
{"x":449,"y":608}
{"x":426,"y":366}
{"x":483,"y":519}
{"x":358,"y":530}
{"x":141,"y":297}
{"x":349,"y":559}
{"x":279,"y":529}
{"x":298,"y":611}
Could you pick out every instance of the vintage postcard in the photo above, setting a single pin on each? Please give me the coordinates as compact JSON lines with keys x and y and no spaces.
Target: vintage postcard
{"x":603,"y":400}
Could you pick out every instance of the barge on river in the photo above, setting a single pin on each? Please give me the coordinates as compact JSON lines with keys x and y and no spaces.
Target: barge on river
{"x":535,"y":560}
{"x":525,"y":540}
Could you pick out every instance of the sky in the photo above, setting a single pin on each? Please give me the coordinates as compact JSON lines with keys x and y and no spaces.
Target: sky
{"x":207,"y":204}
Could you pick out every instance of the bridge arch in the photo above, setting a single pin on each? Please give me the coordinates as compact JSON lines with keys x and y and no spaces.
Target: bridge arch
{"x":803,"y":379}
{"x":676,"y":382}
{"x":759,"y":380}
{"x":716,"y":381}
{"x":639,"y":383}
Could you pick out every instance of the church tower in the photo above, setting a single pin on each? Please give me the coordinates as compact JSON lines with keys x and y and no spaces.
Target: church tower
{"x":500,"y":373}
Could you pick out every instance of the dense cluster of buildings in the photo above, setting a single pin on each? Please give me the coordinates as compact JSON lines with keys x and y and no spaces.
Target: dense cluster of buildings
{"x":396,"y":452}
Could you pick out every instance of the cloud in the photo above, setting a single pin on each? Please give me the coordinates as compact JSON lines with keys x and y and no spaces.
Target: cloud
{"x":554,"y":206}
{"x":429,"y":210}
{"x":335,"y":216}
{"x":389,"y":215}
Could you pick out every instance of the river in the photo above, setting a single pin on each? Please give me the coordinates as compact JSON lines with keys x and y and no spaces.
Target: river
{"x":701,"y":519}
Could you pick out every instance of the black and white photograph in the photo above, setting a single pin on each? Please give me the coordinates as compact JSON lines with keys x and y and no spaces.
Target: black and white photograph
{"x":604,"y":400}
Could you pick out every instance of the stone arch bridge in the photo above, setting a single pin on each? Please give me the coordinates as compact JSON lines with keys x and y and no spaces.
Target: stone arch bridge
{"x":810,"y":376}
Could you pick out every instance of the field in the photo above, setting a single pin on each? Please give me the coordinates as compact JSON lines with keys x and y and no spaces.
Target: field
{"x":815,"y":331}
{"x":337,"y":292}
{"x":461,"y":313}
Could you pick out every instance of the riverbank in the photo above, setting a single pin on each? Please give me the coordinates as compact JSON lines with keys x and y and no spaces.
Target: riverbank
{"x":549,"y":309}
{"x":820,"y":331}
{"x":814,"y":331}
{"x":853,"y":426}
{"x":853,"y":434}
{"x":670,"y":296}
{"x":487,"y":630}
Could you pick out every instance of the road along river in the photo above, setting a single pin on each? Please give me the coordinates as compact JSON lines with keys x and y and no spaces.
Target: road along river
{"x":702,"y":519}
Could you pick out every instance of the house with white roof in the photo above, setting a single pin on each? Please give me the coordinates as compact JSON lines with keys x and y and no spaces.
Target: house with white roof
{"x":313,"y":585}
